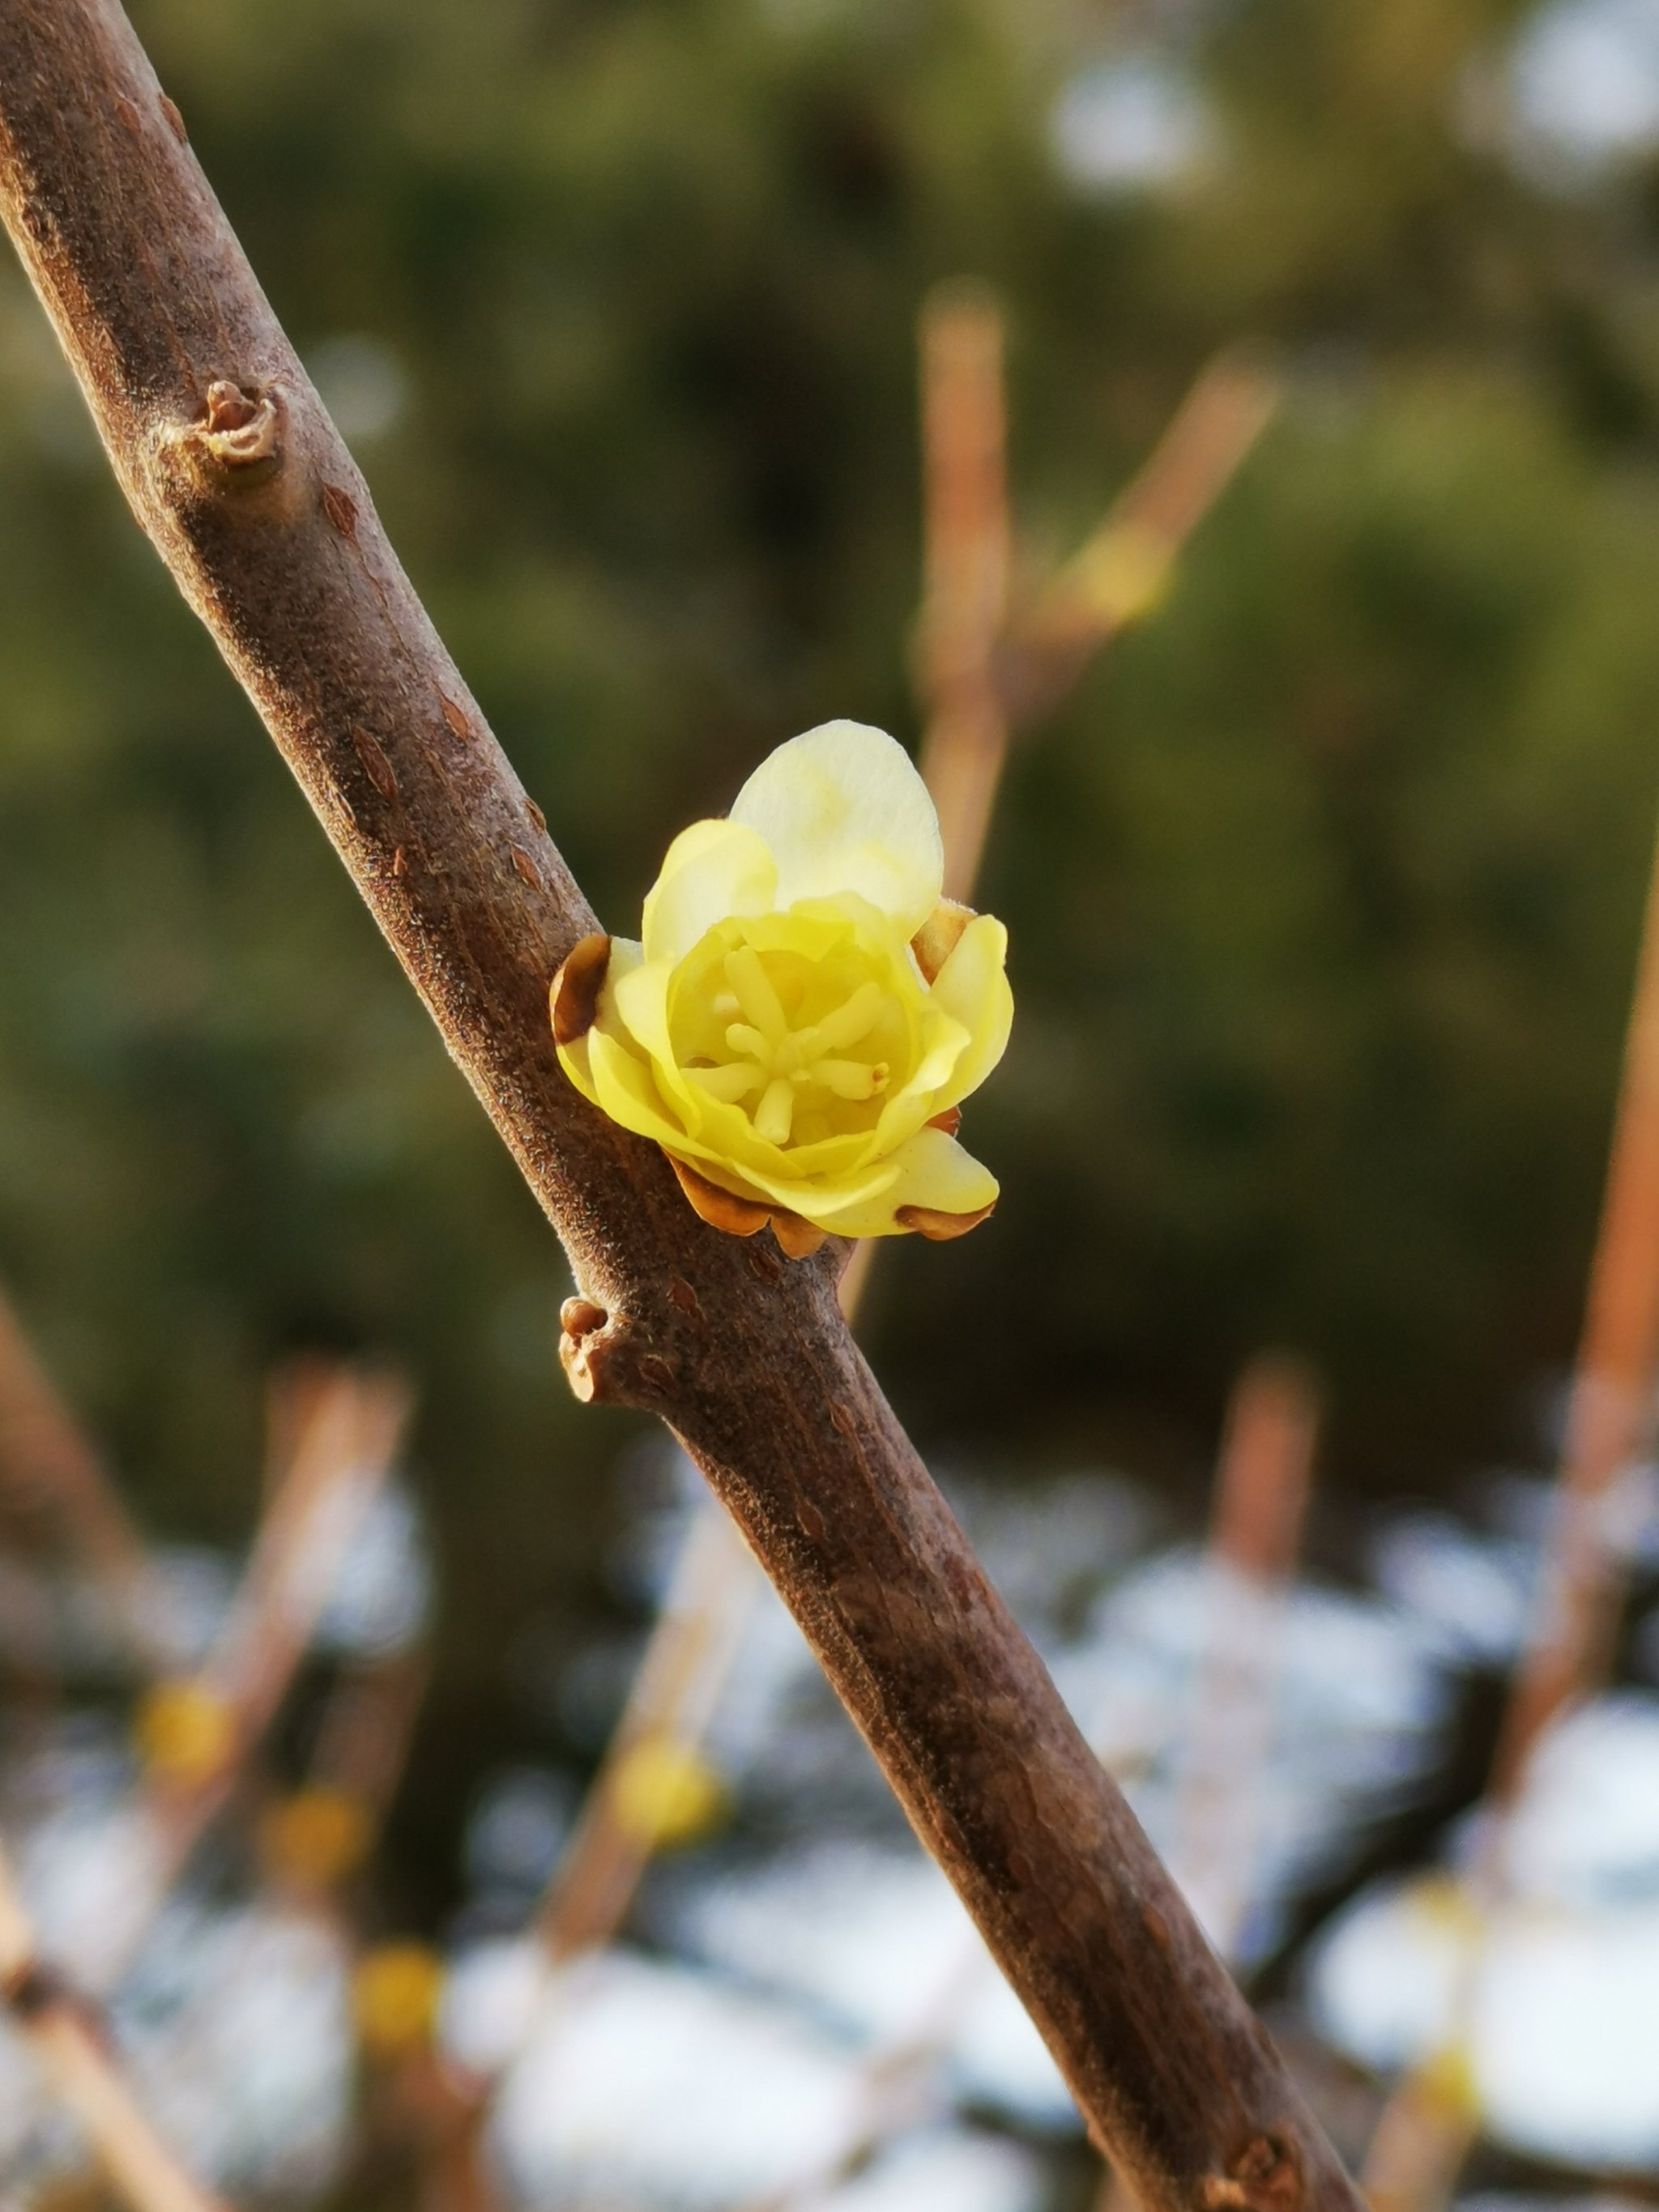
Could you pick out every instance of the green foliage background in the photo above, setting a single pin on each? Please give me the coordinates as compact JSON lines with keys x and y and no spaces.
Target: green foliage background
{"x":1324,"y":888}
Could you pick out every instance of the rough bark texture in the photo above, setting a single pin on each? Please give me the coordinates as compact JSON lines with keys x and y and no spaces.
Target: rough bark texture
{"x":235,"y":472}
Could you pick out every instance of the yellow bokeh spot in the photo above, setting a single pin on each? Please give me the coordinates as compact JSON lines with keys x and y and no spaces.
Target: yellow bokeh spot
{"x":316,"y":1837}
{"x":664,"y":1793}
{"x":395,"y":1997}
{"x":185,"y":1732}
{"x":1449,"y":2079}
{"x":1123,"y":575}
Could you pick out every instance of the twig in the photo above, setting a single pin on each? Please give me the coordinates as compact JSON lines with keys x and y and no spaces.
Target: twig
{"x":232,"y":466}
{"x":670,"y":1701}
{"x":1262,"y":1495}
{"x":334,"y":1434}
{"x":47,"y":1457}
{"x":1431,"y":2121}
{"x":1610,"y":1416}
{"x":79,"y":2063}
{"x":1124,"y":568}
{"x":968,"y":541}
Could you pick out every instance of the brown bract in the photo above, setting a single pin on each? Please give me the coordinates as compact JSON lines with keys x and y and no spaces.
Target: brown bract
{"x":574,"y":1000}
{"x":743,"y":1217}
{"x":937,"y":939}
{"x":154,"y":304}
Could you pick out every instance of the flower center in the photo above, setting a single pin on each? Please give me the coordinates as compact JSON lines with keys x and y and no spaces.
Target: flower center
{"x":774,"y":1062}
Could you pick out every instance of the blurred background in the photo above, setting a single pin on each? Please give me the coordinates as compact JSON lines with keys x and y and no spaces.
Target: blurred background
{"x":1325,"y":886}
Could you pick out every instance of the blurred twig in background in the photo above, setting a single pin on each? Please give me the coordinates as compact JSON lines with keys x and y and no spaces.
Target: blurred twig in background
{"x":1433,"y":2117}
{"x":1256,"y":1535}
{"x":968,"y":541}
{"x":335,"y":1433}
{"x":53,"y":1472}
{"x":77,"y":2059}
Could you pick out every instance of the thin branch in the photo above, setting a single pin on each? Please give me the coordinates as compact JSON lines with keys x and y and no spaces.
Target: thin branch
{"x":1261,"y":1499}
{"x":77,"y":2060}
{"x":233,"y":469}
{"x":1430,"y":2122}
{"x":968,"y":541}
{"x":335,"y":1435}
{"x":1124,"y":568}
{"x":47,"y":1457}
{"x":1610,"y":1421}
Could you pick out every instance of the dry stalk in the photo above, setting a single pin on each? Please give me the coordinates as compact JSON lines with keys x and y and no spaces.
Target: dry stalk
{"x":76,"y":2058}
{"x":1427,"y":2128}
{"x":1123,"y":570}
{"x":233,"y":469}
{"x":1256,"y":1535}
{"x":335,"y":1433}
{"x":52,"y":1467}
{"x":968,"y":540}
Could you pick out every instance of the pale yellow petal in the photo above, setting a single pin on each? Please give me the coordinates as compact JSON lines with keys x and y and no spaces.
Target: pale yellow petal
{"x":636,"y":1003}
{"x":623,"y":1089}
{"x":713,"y":870}
{"x":843,"y":809}
{"x":929,"y":1169}
{"x":972,"y":987}
{"x":930,"y":1086}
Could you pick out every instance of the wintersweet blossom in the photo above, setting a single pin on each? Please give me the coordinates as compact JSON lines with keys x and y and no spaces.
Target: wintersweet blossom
{"x":802,"y":1012}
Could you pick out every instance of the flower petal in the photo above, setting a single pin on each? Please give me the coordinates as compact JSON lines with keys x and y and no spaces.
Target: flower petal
{"x":711,"y":870}
{"x":972,"y":987}
{"x":623,"y":1089}
{"x":932,"y":1172}
{"x":843,"y":809}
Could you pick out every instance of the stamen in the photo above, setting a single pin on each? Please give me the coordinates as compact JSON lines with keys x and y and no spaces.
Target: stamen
{"x":733,"y":1081}
{"x":851,"y":1079}
{"x":753,"y":986}
{"x":740,"y":1038}
{"x":847,"y":1024}
{"x":776,"y":1114}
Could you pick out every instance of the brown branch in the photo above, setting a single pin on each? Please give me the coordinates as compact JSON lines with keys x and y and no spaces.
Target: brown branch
{"x":236,"y":473}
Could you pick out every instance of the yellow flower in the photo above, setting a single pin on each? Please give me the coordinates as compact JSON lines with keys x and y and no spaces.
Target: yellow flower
{"x":802,"y":1013}
{"x":395,"y":1996}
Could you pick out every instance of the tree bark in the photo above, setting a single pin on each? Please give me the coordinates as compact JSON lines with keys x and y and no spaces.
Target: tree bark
{"x":233,"y":468}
